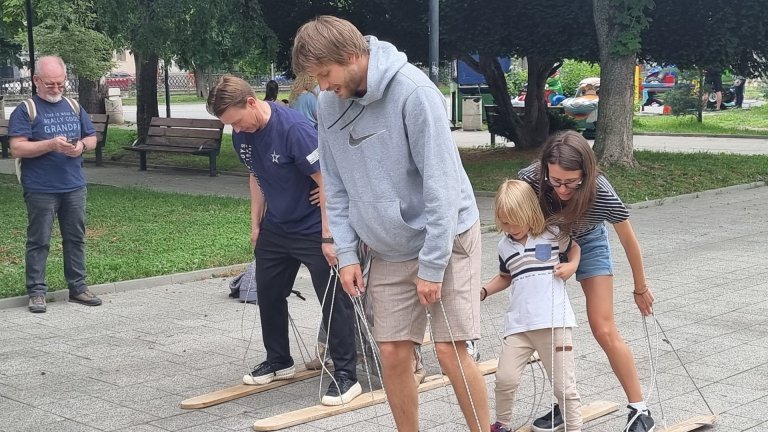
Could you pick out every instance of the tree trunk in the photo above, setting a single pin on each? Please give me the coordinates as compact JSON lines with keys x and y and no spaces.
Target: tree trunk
{"x":201,"y":83}
{"x":508,"y":124}
{"x":613,"y":144}
{"x":91,"y":95}
{"x":146,"y":91}
{"x":536,"y":123}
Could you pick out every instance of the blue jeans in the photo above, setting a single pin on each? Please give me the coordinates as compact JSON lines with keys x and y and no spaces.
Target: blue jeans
{"x":595,"y":254}
{"x":42,"y":208}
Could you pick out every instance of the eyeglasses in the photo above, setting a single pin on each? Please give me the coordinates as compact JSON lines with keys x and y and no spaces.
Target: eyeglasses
{"x":52,"y":86}
{"x":568,"y":185}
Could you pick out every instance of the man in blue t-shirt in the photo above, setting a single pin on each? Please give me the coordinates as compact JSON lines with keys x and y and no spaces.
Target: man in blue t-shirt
{"x":49,"y":134}
{"x":279,"y":147}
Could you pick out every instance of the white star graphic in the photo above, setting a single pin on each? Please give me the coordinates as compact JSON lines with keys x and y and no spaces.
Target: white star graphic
{"x":275,"y":156}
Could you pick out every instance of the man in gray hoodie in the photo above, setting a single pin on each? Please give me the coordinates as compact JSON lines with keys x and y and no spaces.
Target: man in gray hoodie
{"x":393,"y":179}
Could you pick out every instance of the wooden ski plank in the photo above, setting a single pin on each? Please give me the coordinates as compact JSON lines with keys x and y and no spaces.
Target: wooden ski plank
{"x":304,"y":415}
{"x":242,"y":390}
{"x":589,"y":412}
{"x":692,"y":423}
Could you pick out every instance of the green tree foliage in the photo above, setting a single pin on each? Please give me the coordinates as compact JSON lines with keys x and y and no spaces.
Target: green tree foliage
{"x":696,"y":34}
{"x":573,"y":71}
{"x":88,"y":52}
{"x":220,"y":34}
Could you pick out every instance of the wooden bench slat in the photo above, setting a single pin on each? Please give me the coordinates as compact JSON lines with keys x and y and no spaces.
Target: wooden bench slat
{"x":170,"y":149}
{"x":189,"y":143}
{"x":185,"y":122}
{"x":184,"y":132}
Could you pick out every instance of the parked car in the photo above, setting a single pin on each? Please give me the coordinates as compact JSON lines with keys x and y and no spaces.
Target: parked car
{"x":122,"y":80}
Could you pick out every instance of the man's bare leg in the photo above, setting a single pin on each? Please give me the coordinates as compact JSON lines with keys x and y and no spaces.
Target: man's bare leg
{"x":403,"y":398}
{"x":446,"y":353}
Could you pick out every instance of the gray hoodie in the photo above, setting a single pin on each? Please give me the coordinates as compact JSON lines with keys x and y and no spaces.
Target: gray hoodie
{"x":391,"y":171}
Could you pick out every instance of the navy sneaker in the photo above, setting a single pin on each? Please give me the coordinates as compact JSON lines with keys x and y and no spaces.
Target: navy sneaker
{"x":342,"y":391}
{"x":498,"y":427}
{"x":545,"y":423}
{"x":266,"y":372}
{"x":639,"y":421}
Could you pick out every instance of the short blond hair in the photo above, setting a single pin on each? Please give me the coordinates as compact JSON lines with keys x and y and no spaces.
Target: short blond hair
{"x":517,"y":203}
{"x":229,"y":91}
{"x":326,"y":40}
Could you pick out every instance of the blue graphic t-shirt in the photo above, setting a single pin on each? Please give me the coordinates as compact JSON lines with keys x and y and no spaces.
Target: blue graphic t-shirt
{"x":51,"y":172}
{"x":283,"y":155}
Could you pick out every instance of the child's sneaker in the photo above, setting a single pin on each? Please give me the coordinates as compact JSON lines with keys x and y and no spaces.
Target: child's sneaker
{"x":545,"y":423}
{"x":498,"y":427}
{"x":639,"y":421}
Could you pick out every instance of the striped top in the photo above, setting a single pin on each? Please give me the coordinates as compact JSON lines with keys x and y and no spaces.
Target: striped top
{"x":535,"y":293}
{"x":607,"y":207}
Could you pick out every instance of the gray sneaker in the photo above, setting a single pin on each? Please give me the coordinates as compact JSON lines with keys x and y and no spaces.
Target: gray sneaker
{"x":85,"y":298}
{"x":37,"y":304}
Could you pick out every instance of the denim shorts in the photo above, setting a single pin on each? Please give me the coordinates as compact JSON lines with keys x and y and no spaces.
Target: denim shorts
{"x":595,"y":254}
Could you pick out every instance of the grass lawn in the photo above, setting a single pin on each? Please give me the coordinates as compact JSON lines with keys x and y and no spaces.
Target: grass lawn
{"x":659,"y":174}
{"x":753,"y":121}
{"x":134,"y":233}
{"x":131,"y":233}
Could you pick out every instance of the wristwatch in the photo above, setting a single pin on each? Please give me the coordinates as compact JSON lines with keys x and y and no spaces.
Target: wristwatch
{"x":327,"y":240}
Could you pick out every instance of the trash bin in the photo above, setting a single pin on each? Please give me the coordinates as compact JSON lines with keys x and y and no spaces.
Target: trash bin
{"x":113,"y":105}
{"x":472,"y":113}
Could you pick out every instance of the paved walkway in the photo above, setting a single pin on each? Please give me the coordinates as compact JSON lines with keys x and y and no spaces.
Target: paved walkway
{"x":128,"y":364}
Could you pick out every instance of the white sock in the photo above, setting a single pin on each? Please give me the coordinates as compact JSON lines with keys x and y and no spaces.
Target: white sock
{"x":639,"y":406}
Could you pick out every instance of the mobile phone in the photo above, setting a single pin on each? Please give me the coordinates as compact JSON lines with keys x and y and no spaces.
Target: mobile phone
{"x":73,"y":141}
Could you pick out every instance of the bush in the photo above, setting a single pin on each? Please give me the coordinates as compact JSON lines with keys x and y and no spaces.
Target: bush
{"x":572,"y":72}
{"x":516,"y":81}
{"x":559,"y":121}
{"x":682,"y":99}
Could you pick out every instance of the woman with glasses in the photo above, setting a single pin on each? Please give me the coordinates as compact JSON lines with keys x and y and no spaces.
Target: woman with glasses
{"x":577,"y":197}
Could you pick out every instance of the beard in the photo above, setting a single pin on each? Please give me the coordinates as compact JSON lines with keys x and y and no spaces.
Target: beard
{"x":53,"y":98}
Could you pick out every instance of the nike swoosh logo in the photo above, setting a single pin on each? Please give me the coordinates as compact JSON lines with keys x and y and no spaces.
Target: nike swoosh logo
{"x":354,"y":142}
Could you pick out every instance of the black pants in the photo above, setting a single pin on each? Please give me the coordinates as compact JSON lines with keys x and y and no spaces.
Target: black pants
{"x":278,"y":258}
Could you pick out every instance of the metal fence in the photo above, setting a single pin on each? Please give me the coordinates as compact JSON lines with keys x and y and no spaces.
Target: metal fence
{"x":22,"y":87}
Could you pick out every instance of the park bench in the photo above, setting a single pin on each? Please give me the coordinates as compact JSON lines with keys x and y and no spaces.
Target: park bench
{"x":181,"y":135}
{"x":100,"y":123}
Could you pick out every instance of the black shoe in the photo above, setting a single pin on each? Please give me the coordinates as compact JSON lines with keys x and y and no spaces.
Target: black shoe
{"x":544,"y":423}
{"x":342,"y":391}
{"x":85,"y":298}
{"x":266,"y":372}
{"x":37,"y":304}
{"x":639,"y":421}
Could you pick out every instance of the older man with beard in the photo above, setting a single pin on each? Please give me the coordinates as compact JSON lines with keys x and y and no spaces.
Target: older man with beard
{"x":49,"y":134}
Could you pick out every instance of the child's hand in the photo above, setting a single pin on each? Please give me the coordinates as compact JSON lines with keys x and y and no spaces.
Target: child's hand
{"x":565,"y":270}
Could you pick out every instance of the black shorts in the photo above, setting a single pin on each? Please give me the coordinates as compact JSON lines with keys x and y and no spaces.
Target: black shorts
{"x":715,"y":83}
